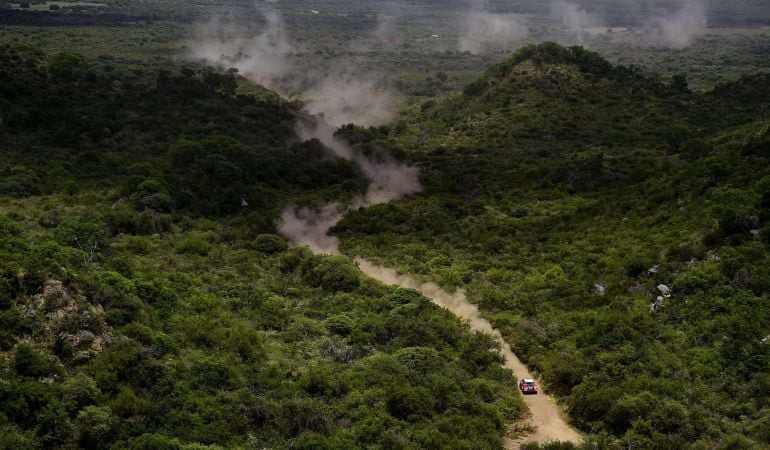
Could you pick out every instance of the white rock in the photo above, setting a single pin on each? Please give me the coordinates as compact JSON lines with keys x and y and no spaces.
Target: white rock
{"x":665,"y":290}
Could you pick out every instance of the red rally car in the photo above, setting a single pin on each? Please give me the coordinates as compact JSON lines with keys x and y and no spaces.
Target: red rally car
{"x":528,"y":386}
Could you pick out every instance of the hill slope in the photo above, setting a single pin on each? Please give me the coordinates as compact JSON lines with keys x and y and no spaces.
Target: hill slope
{"x":145,"y":302}
{"x":567,"y":239}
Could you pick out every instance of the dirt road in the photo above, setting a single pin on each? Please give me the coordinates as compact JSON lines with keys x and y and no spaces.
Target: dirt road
{"x":545,"y":418}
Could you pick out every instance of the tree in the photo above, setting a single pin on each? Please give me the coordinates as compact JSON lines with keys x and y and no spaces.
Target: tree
{"x":31,"y":362}
{"x":679,"y":84}
{"x":67,"y":66}
{"x":734,"y":208}
{"x":94,"y":427}
{"x":269,"y":244}
{"x":333,"y":273}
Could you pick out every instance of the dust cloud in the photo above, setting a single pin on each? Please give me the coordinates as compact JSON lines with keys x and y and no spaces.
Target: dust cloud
{"x":648,"y":24}
{"x":483,"y":29}
{"x":310,"y":227}
{"x":263,"y":59}
{"x":457,"y":303}
{"x":332,"y":98}
{"x":573,"y":18}
{"x":344,"y":93}
{"x":680,"y":28}
{"x":389,"y":180}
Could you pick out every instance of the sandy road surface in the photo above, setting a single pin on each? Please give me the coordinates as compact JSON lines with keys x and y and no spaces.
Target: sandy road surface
{"x":545,"y":416}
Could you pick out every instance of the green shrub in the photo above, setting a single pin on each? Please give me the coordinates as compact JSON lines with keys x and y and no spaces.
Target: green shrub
{"x":11,"y":326}
{"x":149,"y":187}
{"x":333,"y":273}
{"x":67,"y":65}
{"x":420,"y":361}
{"x":269,"y":244}
{"x":194,"y":246}
{"x":127,"y":404}
{"x":408,"y":403}
{"x":339,"y":324}
{"x":80,"y":391}
{"x":159,"y":201}
{"x":48,"y":257}
{"x":31,"y":362}
{"x":402,"y":296}
{"x":734,"y":208}
{"x":320,"y":381}
{"x":9,"y":227}
{"x":81,"y":233}
{"x":109,"y":286}
{"x":138,"y":245}
{"x":213,"y":373}
{"x":636,"y":265}
{"x":700,"y":277}
{"x":152,"y":442}
{"x":295,"y":258}
{"x":20,"y":182}
{"x":6,"y":294}
{"x":94,"y":425}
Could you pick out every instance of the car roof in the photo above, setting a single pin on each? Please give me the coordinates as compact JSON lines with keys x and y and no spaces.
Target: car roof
{"x":528,"y":380}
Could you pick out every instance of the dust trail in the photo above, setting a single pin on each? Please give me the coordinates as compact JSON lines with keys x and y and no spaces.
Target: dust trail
{"x":389,"y":180}
{"x":305,"y":226}
{"x":263,"y":58}
{"x":344,"y":96}
{"x":332,"y":97}
{"x":455,"y":302}
{"x":546,"y":416}
{"x":342,"y":90}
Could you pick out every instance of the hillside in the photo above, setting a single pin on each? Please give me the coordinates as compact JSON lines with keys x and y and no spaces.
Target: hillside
{"x":614,"y":228}
{"x":146,"y":303}
{"x":548,"y":95}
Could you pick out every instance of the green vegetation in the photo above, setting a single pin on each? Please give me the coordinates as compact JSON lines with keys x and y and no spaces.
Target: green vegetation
{"x":127,"y":37}
{"x":144,"y":305}
{"x":612,"y":221}
{"x":561,"y":191}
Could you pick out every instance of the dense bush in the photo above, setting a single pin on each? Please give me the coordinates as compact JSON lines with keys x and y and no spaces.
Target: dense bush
{"x":626,"y":264}
{"x":145,"y":304}
{"x":213,"y":152}
{"x":333,"y":273}
{"x":131,"y":359}
{"x":269,"y":244}
{"x":30,"y":362}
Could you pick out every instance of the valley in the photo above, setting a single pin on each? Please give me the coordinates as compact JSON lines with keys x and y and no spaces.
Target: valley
{"x":335,"y":225}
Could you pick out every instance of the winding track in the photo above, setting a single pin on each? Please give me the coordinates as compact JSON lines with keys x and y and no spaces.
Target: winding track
{"x":545,"y":419}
